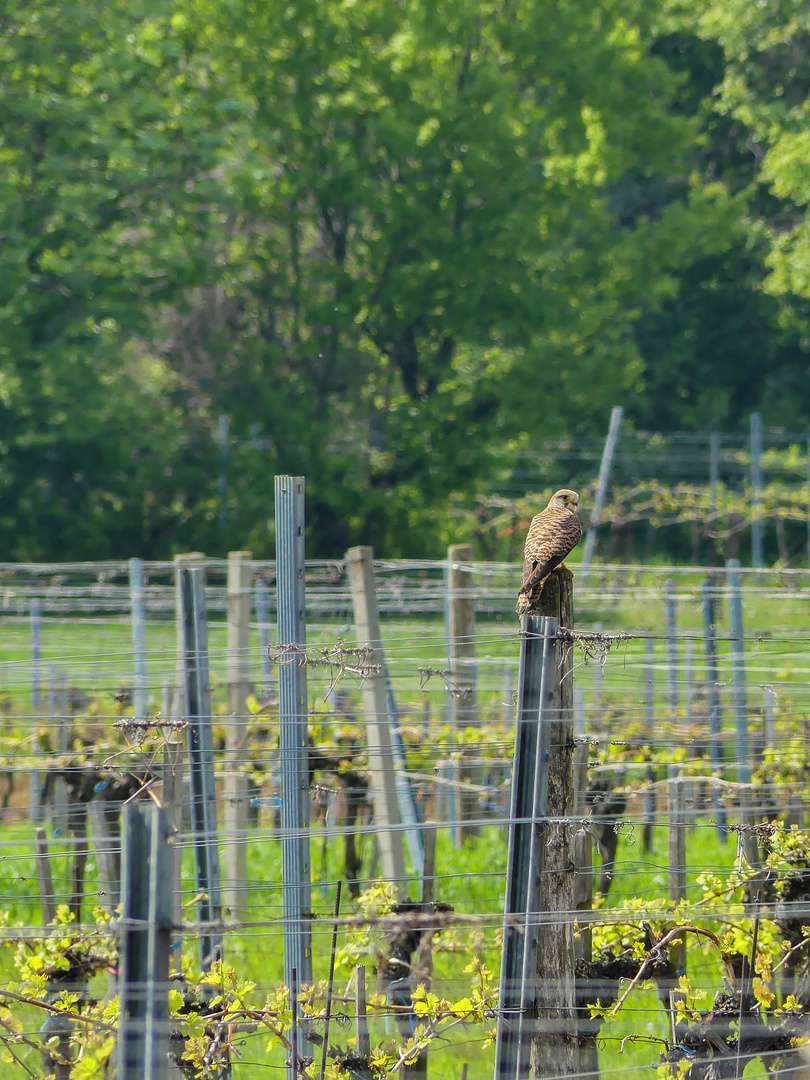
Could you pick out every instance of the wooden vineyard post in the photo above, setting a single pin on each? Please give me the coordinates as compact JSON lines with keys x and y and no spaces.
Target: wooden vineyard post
{"x":749,"y":843}
{"x":463,"y":706}
{"x":713,"y":694}
{"x":240,"y":602}
{"x":138,"y":618}
{"x":58,"y":715}
{"x":385,"y":782}
{"x":36,"y":776}
{"x":362,"y":1071}
{"x":536,"y":1021}
{"x":649,"y":724}
{"x":263,"y":620}
{"x":107,"y":859}
{"x":554,"y":1046}
{"x":583,"y":862}
{"x":672,"y":647}
{"x":47,"y":898}
{"x":677,"y":881}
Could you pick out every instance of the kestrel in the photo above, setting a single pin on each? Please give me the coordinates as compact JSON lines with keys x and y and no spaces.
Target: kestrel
{"x":553,"y":533}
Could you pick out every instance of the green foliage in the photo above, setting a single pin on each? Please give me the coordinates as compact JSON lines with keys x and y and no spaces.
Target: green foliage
{"x":391,"y":244}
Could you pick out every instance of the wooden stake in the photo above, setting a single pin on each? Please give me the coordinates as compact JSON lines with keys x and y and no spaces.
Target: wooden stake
{"x":240,"y":602}
{"x":463,"y":705}
{"x":363,"y":1037}
{"x":554,"y":1046}
{"x":107,"y":859}
{"x":45,"y":878}
{"x":378,"y":732}
{"x":677,"y":881}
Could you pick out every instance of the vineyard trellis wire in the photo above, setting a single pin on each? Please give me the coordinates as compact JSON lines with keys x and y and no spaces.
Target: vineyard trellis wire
{"x":633,"y":739}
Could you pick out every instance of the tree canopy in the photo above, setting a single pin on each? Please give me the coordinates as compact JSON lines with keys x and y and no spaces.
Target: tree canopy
{"x":393,"y":243}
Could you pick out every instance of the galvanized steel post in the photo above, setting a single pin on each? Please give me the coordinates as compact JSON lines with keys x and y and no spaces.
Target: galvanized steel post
{"x":197,"y":690}
{"x":293,"y":740}
{"x":601,"y":488}
{"x":146,"y":924}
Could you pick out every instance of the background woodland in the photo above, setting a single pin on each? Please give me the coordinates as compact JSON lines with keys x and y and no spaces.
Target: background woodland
{"x":396,"y":244}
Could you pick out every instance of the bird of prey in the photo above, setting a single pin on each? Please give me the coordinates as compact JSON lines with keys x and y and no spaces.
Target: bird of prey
{"x":553,"y":533}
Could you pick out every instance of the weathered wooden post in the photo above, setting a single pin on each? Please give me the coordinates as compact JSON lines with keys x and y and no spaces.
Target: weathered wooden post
{"x":672,"y":646}
{"x":47,"y":897}
{"x":554,"y":1046}
{"x":240,"y":602}
{"x":107,"y":860}
{"x":138,"y":618}
{"x":583,"y":861}
{"x":263,"y":620}
{"x":537,"y":1023}
{"x":463,"y":705}
{"x":363,"y":1038}
{"x":649,"y":723}
{"x":689,"y":689}
{"x":36,"y":776}
{"x":768,"y":721}
{"x":749,"y":842}
{"x":58,"y":713}
{"x":713,"y":694}
{"x":36,"y":656}
{"x":384,"y":777}
{"x":677,"y":881}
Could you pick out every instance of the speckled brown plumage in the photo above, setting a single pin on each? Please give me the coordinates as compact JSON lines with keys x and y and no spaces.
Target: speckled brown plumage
{"x":553,"y":533}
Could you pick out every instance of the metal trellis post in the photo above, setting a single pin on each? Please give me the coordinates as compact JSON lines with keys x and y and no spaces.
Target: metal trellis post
{"x":146,"y":924}
{"x":294,"y":745}
{"x":197,"y":689}
{"x":601,"y":488}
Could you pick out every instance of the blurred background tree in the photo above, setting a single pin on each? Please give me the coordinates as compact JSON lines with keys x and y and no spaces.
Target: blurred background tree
{"x":394,"y":246}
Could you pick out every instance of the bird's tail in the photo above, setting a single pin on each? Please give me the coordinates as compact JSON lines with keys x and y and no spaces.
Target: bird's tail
{"x":527,"y":598}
